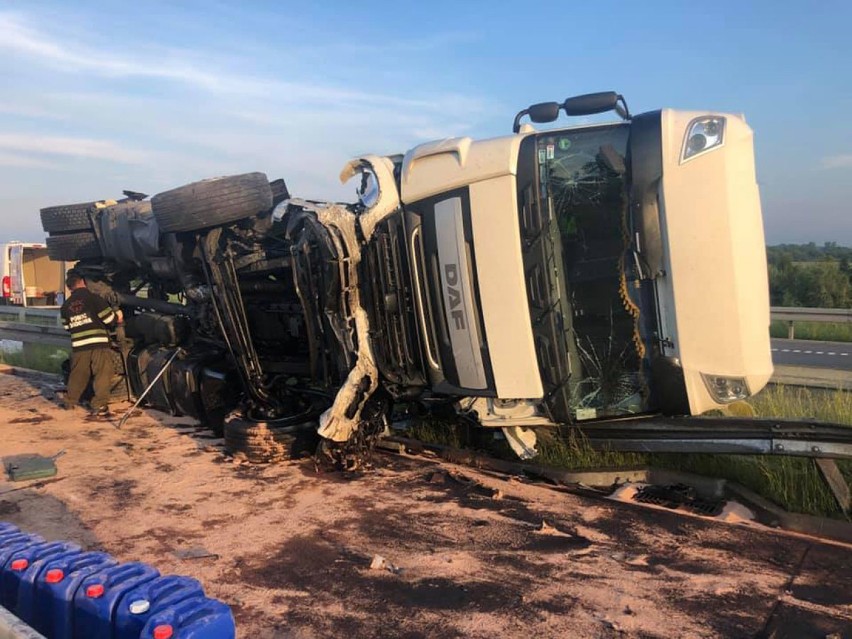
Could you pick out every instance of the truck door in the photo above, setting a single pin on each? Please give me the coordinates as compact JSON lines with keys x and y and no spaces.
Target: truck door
{"x":16,"y":274}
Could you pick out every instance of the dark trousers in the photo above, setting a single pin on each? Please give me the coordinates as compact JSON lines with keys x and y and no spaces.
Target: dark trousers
{"x":86,"y":365}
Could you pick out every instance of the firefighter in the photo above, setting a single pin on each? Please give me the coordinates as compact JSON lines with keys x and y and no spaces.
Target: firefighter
{"x":86,"y":316}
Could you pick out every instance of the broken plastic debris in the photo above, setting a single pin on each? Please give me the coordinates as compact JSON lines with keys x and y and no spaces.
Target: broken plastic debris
{"x":380,"y":563}
{"x":195,"y":552}
{"x":545,"y":527}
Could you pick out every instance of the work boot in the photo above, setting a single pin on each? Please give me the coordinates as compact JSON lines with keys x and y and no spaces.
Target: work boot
{"x":102,"y":414}
{"x":66,"y":405}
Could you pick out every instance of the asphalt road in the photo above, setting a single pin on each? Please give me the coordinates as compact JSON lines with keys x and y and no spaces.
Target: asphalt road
{"x":799,"y":352}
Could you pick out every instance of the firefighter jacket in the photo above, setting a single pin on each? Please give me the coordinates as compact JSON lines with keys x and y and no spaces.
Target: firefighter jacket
{"x":86,"y":316}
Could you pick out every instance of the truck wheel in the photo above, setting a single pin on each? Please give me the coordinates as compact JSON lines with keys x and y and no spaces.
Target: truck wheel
{"x":269,"y":441}
{"x":66,"y":218}
{"x":212,"y":202}
{"x":118,"y":384}
{"x":73,"y":246}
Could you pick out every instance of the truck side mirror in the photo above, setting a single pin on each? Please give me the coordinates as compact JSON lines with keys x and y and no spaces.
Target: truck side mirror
{"x":587,"y":104}
{"x":592,"y":103}
{"x":544,"y":112}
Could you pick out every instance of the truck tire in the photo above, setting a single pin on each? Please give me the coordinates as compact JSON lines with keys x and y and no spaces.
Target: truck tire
{"x":118,"y":391}
{"x":263,"y":442}
{"x":66,"y":218}
{"x":212,"y":202}
{"x":73,"y":246}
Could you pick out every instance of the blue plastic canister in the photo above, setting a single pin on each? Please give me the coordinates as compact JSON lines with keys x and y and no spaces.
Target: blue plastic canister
{"x":8,"y":540}
{"x":13,"y":542}
{"x":25,"y":600}
{"x":139,"y":604}
{"x":6,"y":527}
{"x":98,"y":595}
{"x":53,"y":600}
{"x":195,"y":618}
{"x":17,"y":563}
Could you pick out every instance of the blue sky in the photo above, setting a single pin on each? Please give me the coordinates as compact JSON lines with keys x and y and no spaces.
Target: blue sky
{"x":102,"y":96}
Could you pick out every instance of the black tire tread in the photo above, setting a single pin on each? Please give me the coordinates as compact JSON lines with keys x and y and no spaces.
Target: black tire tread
{"x":73,"y":246}
{"x":66,"y":218}
{"x":261,"y":443}
{"x":212,"y":202}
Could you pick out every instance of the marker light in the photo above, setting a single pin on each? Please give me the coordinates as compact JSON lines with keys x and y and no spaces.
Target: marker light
{"x":726,"y":389}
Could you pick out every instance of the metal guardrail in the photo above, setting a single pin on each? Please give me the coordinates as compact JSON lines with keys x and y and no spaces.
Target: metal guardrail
{"x":21,"y":313}
{"x":792,"y":314}
{"x":798,"y":314}
{"x":34,"y":333}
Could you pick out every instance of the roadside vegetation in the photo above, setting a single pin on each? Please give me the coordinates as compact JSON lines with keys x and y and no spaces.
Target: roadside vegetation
{"x":39,"y":357}
{"x":819,"y":331}
{"x":794,"y":483}
{"x":810,"y":275}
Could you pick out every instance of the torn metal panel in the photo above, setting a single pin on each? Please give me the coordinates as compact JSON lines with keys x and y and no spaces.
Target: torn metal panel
{"x":378,"y":192}
{"x":499,"y":413}
{"x":522,"y":441}
{"x":340,"y":421}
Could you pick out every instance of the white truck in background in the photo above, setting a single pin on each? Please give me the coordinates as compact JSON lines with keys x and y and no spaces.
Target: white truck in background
{"x":29,"y":277}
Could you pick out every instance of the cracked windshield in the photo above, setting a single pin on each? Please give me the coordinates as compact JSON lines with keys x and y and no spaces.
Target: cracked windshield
{"x":582,"y":179}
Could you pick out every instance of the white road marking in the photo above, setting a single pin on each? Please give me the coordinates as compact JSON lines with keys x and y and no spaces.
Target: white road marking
{"x":785,"y":350}
{"x":819,"y":353}
{"x":796,"y":350}
{"x":831,"y":353}
{"x":808,"y":352}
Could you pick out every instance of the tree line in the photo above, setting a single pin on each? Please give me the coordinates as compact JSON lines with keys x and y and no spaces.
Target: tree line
{"x":810,"y":275}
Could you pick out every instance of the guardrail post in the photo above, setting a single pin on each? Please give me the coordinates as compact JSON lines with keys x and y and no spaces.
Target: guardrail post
{"x":791,"y":331}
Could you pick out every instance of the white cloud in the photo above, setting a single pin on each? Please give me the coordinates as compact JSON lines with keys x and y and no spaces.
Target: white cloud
{"x":69,"y":146}
{"x":16,"y":160}
{"x":145,"y":116}
{"x":18,"y":36}
{"x":842,"y":161}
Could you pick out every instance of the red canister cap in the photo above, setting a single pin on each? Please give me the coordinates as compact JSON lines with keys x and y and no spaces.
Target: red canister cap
{"x":54,"y":576}
{"x":19,"y":564}
{"x":163,"y":632}
{"x":95,"y":590}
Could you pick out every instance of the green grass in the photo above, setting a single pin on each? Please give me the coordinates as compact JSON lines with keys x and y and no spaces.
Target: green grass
{"x":791,"y":482}
{"x":820,"y":331}
{"x":39,"y":357}
{"x":795,"y":402}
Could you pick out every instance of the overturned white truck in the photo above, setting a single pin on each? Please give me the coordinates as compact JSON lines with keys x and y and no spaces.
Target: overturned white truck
{"x":543,"y":278}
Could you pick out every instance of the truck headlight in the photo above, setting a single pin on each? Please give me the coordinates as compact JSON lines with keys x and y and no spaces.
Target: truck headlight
{"x":703,"y":134}
{"x":726,"y":389}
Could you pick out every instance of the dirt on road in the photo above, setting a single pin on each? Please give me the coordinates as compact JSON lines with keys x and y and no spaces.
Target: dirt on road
{"x":411,"y":549}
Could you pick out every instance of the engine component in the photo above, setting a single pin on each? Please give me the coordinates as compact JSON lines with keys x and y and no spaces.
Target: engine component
{"x":129,"y":232}
{"x":153,"y":328}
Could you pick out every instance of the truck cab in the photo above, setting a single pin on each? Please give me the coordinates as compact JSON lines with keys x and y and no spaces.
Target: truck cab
{"x":581,"y":273}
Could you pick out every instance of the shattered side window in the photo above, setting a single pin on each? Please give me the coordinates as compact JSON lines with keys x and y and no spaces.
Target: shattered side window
{"x":582,"y":181}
